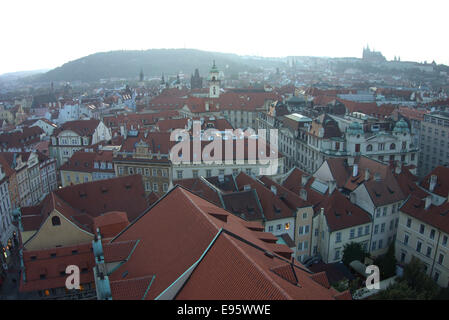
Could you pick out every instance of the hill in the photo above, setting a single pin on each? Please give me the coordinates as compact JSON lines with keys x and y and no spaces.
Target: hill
{"x":153,"y":62}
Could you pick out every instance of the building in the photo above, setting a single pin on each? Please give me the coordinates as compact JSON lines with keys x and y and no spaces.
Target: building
{"x":76,"y":135}
{"x":31,"y":175}
{"x":86,"y":165}
{"x":423,"y":234}
{"x":7,"y":228}
{"x":146,"y":154}
{"x":434,"y":142}
{"x":69,"y":216}
{"x":196,"y":82}
{"x":203,"y":238}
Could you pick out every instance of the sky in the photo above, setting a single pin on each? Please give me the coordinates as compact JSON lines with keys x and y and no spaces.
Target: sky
{"x":45,"y":34}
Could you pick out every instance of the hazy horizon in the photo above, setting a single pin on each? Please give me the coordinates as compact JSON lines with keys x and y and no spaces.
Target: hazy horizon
{"x":46,"y":34}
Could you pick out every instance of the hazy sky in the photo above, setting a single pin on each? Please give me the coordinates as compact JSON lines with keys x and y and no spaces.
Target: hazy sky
{"x":41,"y":34}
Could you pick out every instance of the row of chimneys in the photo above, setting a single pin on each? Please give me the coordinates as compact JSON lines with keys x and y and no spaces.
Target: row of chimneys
{"x":355,"y":172}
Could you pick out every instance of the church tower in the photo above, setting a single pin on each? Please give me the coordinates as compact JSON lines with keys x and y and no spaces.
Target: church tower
{"x":214,"y":82}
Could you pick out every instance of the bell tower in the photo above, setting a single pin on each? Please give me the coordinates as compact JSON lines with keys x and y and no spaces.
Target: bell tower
{"x":214,"y":82}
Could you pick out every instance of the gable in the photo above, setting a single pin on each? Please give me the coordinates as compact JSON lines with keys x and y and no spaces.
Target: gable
{"x":50,"y":236}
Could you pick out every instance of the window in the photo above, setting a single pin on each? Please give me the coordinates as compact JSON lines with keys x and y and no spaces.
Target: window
{"x":304,"y":215}
{"x":120,"y":171}
{"x":338,"y":237}
{"x":432,"y":234}
{"x":208,"y":173}
{"x":278,"y":227}
{"x":306,"y":229}
{"x":403,"y":254}
{"x":300,"y":246}
{"x":165,"y":187}
{"x":393,"y":209}
{"x":270,"y":229}
{"x":301,"y":230}
{"x":369,"y":147}
{"x":359,"y":231}
{"x":421,"y":229}
{"x":352,"y":234}
{"x":366,"y":229}
{"x":373,"y":247}
{"x":444,"y":240}
{"x":436,"y":276}
{"x":195,"y":173}
{"x":221,"y":172}
{"x":56,"y":221}
{"x":376,"y":229}
{"x":146,"y":171}
{"x":337,"y":254}
{"x":429,"y":251}
{"x":418,"y":246}
{"x":139,"y":170}
{"x":392,"y":146}
{"x":391,"y":224}
{"x":130,"y":170}
{"x":384,"y":213}
{"x":381,"y":146}
{"x":380,"y":243}
{"x":235,"y":172}
{"x":147,"y":186}
{"x":377,"y":212}
{"x":154,"y":172}
{"x":440,"y":258}
{"x":409,"y":222}
{"x":179,"y":174}
{"x":382,"y":228}
{"x":164,"y":172}
{"x":316,"y":232}
{"x":287,"y":226}
{"x":248,"y":171}
{"x":155,"y":187}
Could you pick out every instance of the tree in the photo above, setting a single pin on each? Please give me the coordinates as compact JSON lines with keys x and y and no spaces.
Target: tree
{"x":387,"y":263}
{"x":353,"y":251}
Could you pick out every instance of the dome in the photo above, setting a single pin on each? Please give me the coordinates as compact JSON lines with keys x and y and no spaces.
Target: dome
{"x":401,"y":127}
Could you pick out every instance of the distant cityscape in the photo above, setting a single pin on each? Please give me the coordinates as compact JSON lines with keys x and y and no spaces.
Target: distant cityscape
{"x":87,"y":178}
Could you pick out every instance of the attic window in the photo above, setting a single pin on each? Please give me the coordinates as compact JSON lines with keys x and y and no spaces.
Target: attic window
{"x":276,"y":209}
{"x":74,"y":251}
{"x":33,"y":257}
{"x":42,"y":276}
{"x":104,"y":190}
{"x":53,"y":254}
{"x":83,"y":195}
{"x":128,"y":186}
{"x":377,"y":194}
{"x":390,"y":190}
{"x":56,"y":221}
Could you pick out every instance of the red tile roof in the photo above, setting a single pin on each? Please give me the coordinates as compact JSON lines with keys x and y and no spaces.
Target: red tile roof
{"x":437,"y":216}
{"x":41,"y":263}
{"x":83,"y":161}
{"x":442,"y":185}
{"x":81,"y":127}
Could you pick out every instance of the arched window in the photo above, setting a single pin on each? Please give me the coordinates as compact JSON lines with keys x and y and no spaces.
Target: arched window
{"x":369,"y":147}
{"x":392,"y":146}
{"x":56,"y":221}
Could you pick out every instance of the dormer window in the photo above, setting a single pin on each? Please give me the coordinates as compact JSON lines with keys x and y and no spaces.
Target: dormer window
{"x":56,"y":221}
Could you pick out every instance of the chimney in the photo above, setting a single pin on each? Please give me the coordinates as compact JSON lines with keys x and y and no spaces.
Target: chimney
{"x":303,"y":194}
{"x":274,"y":189}
{"x":366,"y":174}
{"x":428,"y":202}
{"x":332,"y":185}
{"x":355,"y":170}
{"x":352,"y":197}
{"x":433,"y":182}
{"x":304,"y":180}
{"x":398,"y":168}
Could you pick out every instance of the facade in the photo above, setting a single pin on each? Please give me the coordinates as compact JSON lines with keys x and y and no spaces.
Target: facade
{"x":434,"y":142}
{"x":423,"y":234}
{"x":76,"y":135}
{"x":7,"y":228}
{"x":85,"y":166}
{"x":146,"y":154}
